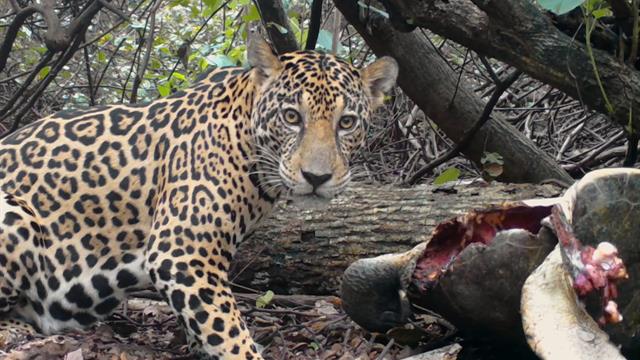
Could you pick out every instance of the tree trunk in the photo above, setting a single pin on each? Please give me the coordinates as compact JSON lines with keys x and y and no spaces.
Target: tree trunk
{"x":275,"y":20}
{"x":429,"y":81}
{"x":518,"y":33}
{"x":304,"y":251}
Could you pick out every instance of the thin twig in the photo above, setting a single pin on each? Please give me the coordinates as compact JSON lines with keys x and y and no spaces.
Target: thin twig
{"x":455,"y":92}
{"x":175,"y":66}
{"x":148,"y":49}
{"x":92,"y":100}
{"x":469,"y":134}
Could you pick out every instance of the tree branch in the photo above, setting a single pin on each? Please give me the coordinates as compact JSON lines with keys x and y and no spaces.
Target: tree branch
{"x":104,"y":70}
{"x":500,"y":88}
{"x":620,"y":9}
{"x":314,"y":24}
{"x":145,"y":60}
{"x":272,"y":12}
{"x":429,"y":81}
{"x":87,"y":63}
{"x":7,"y":109}
{"x":206,"y":21}
{"x":62,"y":60}
{"x":12,"y":32}
{"x":519,"y":34}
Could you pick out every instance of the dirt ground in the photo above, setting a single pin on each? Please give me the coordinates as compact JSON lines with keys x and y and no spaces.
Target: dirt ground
{"x":288,"y":327}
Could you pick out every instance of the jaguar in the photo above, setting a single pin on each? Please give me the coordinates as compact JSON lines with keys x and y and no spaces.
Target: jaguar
{"x":103,"y":201}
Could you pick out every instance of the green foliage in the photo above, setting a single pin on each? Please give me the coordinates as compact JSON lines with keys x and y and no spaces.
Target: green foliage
{"x":220,"y":61}
{"x":325,"y":40}
{"x":560,"y":6}
{"x":252,"y":14}
{"x":596,"y":8}
{"x":44,"y":72}
{"x":190,"y":37}
{"x":450,"y":174}
{"x":264,"y":300}
{"x":164,"y":89}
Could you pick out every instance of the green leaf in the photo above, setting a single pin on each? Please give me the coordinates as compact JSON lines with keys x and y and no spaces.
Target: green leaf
{"x":264,"y":299}
{"x":366,"y":6}
{"x":325,"y":40}
{"x":212,"y":4}
{"x":203,"y":64}
{"x":593,"y":5}
{"x":220,"y":61}
{"x":175,"y":3}
{"x":314,"y":346}
{"x":560,"y":6}
{"x":179,"y":76}
{"x":252,"y":14}
{"x":451,"y":174}
{"x":600,"y":13}
{"x":282,"y":29}
{"x":44,"y":72}
{"x":164,"y":89}
{"x":192,"y":56}
{"x":102,"y":57}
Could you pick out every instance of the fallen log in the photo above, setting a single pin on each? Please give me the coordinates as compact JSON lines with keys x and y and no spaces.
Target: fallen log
{"x":305,"y":251}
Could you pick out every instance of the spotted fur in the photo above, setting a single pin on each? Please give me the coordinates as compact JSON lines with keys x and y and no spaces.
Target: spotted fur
{"x":99,"y":202}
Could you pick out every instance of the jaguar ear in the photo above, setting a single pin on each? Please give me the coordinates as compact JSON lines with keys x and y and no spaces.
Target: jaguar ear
{"x":262,"y":58}
{"x":379,"y":77}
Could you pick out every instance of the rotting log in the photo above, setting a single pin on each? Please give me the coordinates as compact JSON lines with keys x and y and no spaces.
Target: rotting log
{"x":430,"y":82}
{"x":305,"y":251}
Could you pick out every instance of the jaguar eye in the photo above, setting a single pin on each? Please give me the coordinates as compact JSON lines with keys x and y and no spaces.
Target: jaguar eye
{"x":347,"y":122}
{"x":292,"y":117}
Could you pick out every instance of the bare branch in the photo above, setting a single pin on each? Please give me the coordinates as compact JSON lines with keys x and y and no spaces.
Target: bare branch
{"x":501,"y":87}
{"x":7,"y":109}
{"x":12,"y":32}
{"x":518,"y":33}
{"x":276,"y":21}
{"x":114,"y":10}
{"x":145,"y":60}
{"x":14,"y":5}
{"x":314,"y":24}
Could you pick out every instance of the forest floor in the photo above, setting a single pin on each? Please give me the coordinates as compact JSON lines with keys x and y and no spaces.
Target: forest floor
{"x":290,"y":327}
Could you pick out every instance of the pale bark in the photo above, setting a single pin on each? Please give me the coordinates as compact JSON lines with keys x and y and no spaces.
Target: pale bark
{"x":305,"y":251}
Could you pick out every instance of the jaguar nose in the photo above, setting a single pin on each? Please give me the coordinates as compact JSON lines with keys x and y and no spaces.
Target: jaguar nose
{"x":316,"y":180}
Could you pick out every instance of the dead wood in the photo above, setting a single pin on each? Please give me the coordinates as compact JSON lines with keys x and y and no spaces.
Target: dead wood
{"x":304,"y":251}
{"x":431,"y":83}
{"x":520,"y":34}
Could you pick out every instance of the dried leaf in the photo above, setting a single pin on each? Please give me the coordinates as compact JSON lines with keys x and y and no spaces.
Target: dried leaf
{"x":74,"y":355}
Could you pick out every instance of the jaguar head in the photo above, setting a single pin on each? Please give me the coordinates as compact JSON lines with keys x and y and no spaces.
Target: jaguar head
{"x":310,"y":114}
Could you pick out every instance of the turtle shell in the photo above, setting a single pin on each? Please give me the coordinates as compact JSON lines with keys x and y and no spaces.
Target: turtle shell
{"x":604,"y":206}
